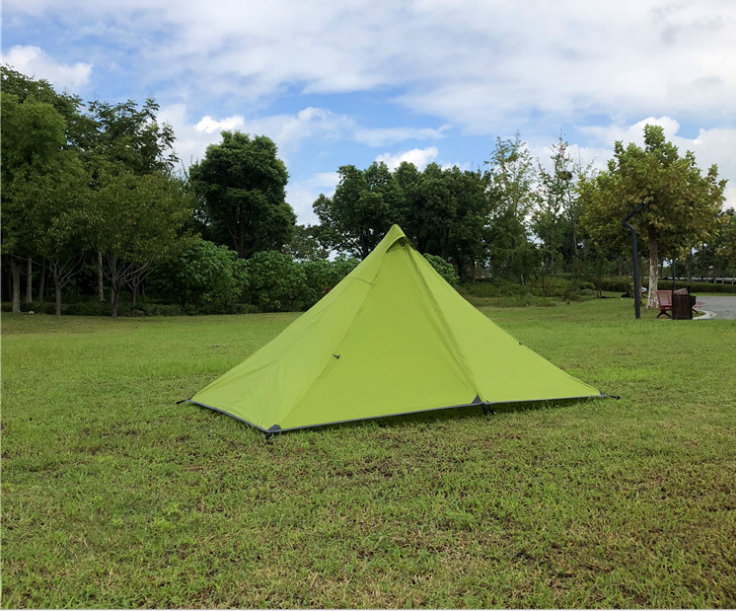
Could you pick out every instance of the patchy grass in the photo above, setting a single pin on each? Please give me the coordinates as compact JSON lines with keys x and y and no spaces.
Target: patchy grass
{"x":113,"y":496}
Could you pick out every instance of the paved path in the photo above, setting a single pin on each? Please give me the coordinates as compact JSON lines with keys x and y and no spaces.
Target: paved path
{"x":724,"y":307}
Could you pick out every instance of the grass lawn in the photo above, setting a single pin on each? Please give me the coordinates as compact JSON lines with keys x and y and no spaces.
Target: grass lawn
{"x":113,"y":496}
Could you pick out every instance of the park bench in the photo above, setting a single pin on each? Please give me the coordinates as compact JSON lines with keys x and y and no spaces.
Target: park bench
{"x":665,"y":301}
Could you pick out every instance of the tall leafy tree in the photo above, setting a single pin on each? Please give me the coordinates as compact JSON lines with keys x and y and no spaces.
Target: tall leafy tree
{"x":556,"y":217}
{"x":305,"y":246}
{"x":512,"y":179}
{"x":55,"y":204}
{"x":78,"y":125}
{"x":136,"y":220}
{"x":724,"y":245}
{"x":681,"y":203}
{"x":131,"y":137}
{"x":365,"y":204}
{"x":446,"y":212}
{"x":33,"y":138}
{"x":242,"y":182}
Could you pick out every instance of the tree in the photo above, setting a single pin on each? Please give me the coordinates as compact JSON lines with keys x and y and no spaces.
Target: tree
{"x":511,"y":180}
{"x":365,"y":205}
{"x":681,"y":204}
{"x":242,"y":185}
{"x":556,"y":217}
{"x":724,"y":245}
{"x":136,"y":220}
{"x":128,"y":138}
{"x":445,"y":212}
{"x":78,"y":126}
{"x":33,"y":136}
{"x":305,"y":245}
{"x":55,"y":203}
{"x":131,"y":137}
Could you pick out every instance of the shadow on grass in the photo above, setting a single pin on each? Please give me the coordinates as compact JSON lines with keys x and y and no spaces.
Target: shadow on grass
{"x":421,"y":419}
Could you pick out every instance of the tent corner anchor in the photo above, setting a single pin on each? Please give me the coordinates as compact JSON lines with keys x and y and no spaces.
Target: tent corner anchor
{"x":487,"y":409}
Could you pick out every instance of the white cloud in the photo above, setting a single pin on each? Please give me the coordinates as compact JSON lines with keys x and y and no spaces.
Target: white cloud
{"x":461,"y":165}
{"x":476,"y":63}
{"x":419,"y":157}
{"x":302,"y":194}
{"x":392,"y":135}
{"x":287,"y":131}
{"x":208,"y":125}
{"x":34,"y":62}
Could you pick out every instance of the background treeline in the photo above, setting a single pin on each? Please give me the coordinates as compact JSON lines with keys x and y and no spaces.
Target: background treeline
{"x":98,"y":218}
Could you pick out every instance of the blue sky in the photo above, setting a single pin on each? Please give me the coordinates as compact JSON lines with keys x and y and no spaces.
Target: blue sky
{"x":358,"y":81}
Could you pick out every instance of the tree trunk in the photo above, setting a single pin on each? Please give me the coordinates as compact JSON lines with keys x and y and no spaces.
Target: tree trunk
{"x":114,"y":283}
{"x":135,"y":294}
{"x":100,"y":283}
{"x":7,"y":286}
{"x":652,"y":303}
{"x":240,"y":244}
{"x":29,"y":281}
{"x":114,"y":294}
{"x":42,"y":283}
{"x":15,"y":270}
{"x":57,"y":290}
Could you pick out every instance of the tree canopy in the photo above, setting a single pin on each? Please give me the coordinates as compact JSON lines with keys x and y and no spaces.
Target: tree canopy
{"x":681,"y":204}
{"x":242,"y":182}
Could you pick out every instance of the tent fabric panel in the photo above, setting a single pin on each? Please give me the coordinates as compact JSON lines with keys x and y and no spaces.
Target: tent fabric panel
{"x":503,"y":368}
{"x":396,"y":358}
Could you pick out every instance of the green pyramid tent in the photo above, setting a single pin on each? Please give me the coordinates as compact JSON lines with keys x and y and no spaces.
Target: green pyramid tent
{"x":392,"y":338}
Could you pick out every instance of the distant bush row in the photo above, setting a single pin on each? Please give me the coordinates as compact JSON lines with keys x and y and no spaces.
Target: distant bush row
{"x":564,"y":288}
{"x":210,"y":279}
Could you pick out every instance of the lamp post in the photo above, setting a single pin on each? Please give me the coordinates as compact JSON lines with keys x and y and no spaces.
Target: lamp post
{"x":632,"y":231}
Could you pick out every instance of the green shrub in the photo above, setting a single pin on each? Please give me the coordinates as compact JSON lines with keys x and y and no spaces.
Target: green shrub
{"x":519,"y":301}
{"x":323,"y":276}
{"x":444,"y":269}
{"x":277,"y":283}
{"x":203,"y":275}
{"x":698,"y":287}
{"x":617,"y":285}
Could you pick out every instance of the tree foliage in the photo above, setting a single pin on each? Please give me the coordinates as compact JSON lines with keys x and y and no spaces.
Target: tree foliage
{"x":203,"y":273}
{"x":681,"y":203}
{"x":364,"y":207}
{"x":131,"y":137}
{"x":135,"y":222}
{"x":242,"y":185}
{"x":444,"y":269}
{"x":277,"y":282}
{"x":511,"y":177}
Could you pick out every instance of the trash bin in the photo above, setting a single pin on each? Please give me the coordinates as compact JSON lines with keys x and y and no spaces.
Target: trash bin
{"x":682,"y":307}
